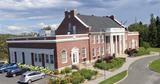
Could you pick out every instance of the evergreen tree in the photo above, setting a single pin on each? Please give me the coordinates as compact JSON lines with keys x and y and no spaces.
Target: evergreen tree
{"x":158,"y":30}
{"x":153,"y":31}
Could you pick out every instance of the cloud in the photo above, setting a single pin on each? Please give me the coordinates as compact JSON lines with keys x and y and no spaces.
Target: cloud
{"x":35,"y":4}
{"x":153,"y":2}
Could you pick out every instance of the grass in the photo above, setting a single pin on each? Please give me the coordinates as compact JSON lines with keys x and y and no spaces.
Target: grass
{"x":154,"y":49}
{"x":115,"y":78}
{"x":155,"y":66}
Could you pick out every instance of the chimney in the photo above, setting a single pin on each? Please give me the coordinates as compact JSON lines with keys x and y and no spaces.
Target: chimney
{"x":112,"y":17}
{"x":66,"y":13}
{"x":73,"y":12}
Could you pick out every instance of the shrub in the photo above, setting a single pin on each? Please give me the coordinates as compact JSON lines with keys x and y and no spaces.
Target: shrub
{"x":142,"y":51}
{"x":114,"y":63}
{"x":146,"y":45}
{"x":56,"y":72}
{"x":76,"y":78}
{"x":67,"y":70}
{"x":87,"y":73}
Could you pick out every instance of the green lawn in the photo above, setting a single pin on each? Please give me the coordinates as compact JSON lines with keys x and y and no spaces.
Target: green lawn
{"x":155,"y":66}
{"x":115,"y":78}
{"x":154,"y":49}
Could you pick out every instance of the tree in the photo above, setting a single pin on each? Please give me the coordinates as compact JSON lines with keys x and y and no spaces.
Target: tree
{"x":158,"y":30}
{"x":142,"y":29}
{"x":153,"y":31}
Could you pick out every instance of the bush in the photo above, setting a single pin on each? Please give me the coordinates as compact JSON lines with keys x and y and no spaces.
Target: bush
{"x":131,"y":52}
{"x":142,"y":51}
{"x":56,"y":72}
{"x":87,"y":73}
{"x":66,"y":70}
{"x":76,"y":78}
{"x":114,"y":63}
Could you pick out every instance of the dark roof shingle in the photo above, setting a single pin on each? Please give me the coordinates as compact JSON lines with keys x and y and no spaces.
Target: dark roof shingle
{"x":98,"y":23}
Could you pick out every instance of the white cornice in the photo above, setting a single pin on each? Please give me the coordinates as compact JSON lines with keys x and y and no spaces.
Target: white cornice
{"x":81,"y":21}
{"x":48,"y":41}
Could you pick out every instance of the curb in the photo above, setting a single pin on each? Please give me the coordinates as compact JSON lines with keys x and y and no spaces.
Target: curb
{"x":122,"y":78}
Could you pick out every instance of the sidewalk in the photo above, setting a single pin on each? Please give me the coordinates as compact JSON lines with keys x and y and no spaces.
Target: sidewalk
{"x":108,"y":74}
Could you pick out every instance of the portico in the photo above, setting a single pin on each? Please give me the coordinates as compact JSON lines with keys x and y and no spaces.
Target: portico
{"x":116,"y":41}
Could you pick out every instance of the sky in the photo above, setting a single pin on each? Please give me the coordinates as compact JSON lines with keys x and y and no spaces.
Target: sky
{"x":19,"y":16}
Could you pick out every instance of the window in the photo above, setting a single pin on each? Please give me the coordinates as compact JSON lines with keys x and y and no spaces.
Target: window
{"x":97,"y":41}
{"x":64,"y":56}
{"x":35,"y":57}
{"x":40,"y":57}
{"x":84,"y":52}
{"x":98,"y":51}
{"x":102,"y":38}
{"x":23,"y":57}
{"x":94,"y":39}
{"x":93,"y":52}
{"x":47,"y":58}
{"x":102,"y":50}
{"x":74,"y":29}
{"x":69,"y":27}
{"x":15,"y":57}
{"x":51,"y":59}
{"x":99,"y":38}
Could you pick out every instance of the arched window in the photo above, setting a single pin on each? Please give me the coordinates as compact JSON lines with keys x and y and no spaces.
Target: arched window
{"x":64,"y":56}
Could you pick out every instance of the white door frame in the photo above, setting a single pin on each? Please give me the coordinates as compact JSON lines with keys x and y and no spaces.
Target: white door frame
{"x":75,"y":51}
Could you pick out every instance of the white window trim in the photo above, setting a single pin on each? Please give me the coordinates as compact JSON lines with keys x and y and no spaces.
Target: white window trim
{"x":85,"y":52}
{"x":66,"y":56}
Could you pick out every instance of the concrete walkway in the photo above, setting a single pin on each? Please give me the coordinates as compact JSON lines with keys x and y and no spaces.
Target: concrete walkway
{"x":108,"y":74}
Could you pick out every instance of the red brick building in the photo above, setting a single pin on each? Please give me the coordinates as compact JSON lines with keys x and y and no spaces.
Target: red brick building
{"x":79,"y":39}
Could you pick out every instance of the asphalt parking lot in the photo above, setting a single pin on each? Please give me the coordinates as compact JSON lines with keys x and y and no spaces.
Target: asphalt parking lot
{"x":14,"y":80}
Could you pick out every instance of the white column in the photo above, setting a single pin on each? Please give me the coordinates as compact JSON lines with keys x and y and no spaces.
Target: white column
{"x":120,"y":44}
{"x":111,"y":44}
{"x":116,"y":45}
{"x":124,"y":43}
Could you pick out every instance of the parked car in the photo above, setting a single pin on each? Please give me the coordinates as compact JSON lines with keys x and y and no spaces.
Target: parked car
{"x":31,"y":76}
{"x":16,"y":71}
{"x":7,"y":66}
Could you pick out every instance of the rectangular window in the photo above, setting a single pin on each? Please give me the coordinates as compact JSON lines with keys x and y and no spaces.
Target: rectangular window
{"x":97,"y":41}
{"x":102,"y":50}
{"x":98,"y":51}
{"x":47,"y":58}
{"x":102,"y":38}
{"x":74,"y":29}
{"x":35,"y":57}
{"x":51,"y":59}
{"x":15,"y":57}
{"x":84,"y":52}
{"x":40,"y":57}
{"x":99,"y":38}
{"x":23,"y":57}
{"x":94,"y":39}
{"x":93,"y":52}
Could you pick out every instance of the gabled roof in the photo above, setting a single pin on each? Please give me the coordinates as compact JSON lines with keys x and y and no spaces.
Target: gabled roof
{"x":98,"y":23}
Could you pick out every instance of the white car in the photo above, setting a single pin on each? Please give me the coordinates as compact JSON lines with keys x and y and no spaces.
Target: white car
{"x":30,"y":76}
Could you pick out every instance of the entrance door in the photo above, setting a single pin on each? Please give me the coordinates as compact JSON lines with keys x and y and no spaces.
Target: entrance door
{"x":75,"y":56}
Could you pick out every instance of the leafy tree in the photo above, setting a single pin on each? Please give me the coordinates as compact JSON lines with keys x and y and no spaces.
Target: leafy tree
{"x":142,"y":29}
{"x":3,"y":46}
